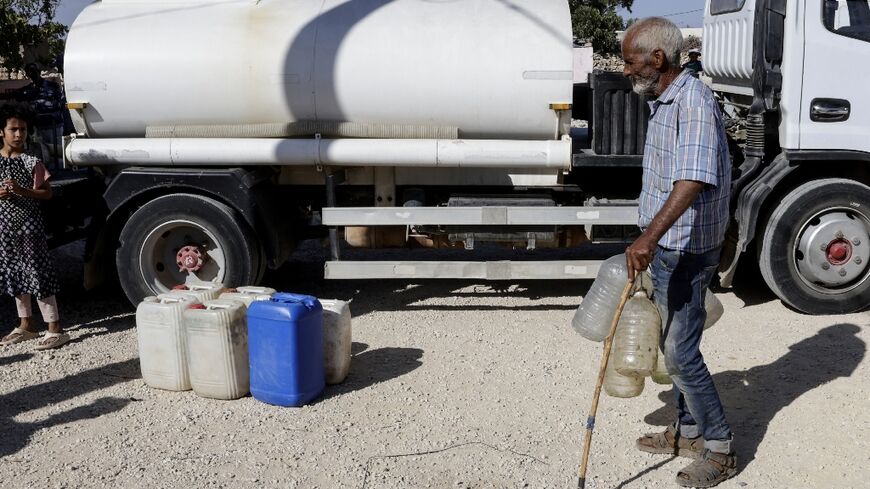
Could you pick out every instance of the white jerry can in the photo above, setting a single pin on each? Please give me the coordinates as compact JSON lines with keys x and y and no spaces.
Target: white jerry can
{"x":336,"y":339}
{"x":162,"y":351}
{"x":248,"y":295}
{"x":217,"y":349}
{"x":201,"y":291}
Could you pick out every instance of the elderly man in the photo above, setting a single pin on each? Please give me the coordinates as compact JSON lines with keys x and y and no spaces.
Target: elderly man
{"x":683,"y":215}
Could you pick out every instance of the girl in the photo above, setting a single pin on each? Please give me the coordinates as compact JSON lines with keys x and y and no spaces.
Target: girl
{"x":25,"y":265}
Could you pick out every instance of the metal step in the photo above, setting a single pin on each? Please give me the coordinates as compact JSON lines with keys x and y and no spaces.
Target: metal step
{"x":478,"y":270}
{"x":479,"y":216}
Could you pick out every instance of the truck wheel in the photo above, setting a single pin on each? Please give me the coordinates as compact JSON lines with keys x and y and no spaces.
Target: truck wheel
{"x":815,"y":250}
{"x":214,"y":241}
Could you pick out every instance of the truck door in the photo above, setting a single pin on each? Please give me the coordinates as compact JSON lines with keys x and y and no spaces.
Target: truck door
{"x":835,"y":111}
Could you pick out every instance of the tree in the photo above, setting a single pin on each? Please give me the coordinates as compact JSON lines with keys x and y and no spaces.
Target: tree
{"x":29,"y":23}
{"x":596,"y":21}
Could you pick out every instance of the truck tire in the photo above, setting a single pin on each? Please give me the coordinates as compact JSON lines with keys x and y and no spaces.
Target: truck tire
{"x":815,"y":248}
{"x":153,"y":235}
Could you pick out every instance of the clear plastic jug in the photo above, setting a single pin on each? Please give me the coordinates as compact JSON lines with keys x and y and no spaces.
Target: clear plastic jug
{"x":714,"y":309}
{"x":637,"y":337}
{"x":336,"y":339}
{"x":622,"y":386}
{"x":217,"y":349}
{"x":595,"y":313}
{"x":660,"y":375}
{"x":247,"y":295}
{"x":162,"y":349}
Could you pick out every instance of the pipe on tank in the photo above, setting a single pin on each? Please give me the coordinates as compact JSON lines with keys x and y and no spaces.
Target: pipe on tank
{"x":456,"y":153}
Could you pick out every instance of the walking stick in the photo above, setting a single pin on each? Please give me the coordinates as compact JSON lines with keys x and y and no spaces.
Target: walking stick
{"x":590,"y":421}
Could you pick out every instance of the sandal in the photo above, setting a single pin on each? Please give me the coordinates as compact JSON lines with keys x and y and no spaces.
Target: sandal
{"x":52,"y":340}
{"x":17,"y":336}
{"x":669,"y":442}
{"x":709,"y":470}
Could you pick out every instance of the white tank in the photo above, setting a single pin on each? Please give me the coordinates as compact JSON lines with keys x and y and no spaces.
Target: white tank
{"x":488,"y":68}
{"x":216,"y":334}
{"x":337,"y":339}
{"x":248,"y":295}
{"x":162,"y":350}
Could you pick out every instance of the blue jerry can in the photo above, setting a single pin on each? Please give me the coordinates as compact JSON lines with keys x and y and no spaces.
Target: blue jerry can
{"x":285,"y":347}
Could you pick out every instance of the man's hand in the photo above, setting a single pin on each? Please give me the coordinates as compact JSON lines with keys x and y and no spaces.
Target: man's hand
{"x":639,"y":255}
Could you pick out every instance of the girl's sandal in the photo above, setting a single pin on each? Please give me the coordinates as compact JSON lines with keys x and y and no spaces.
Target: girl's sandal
{"x":52,"y":340}
{"x":17,"y":336}
{"x":709,"y":470}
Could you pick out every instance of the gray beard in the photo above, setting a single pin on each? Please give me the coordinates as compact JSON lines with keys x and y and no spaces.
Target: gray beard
{"x":646,"y":86}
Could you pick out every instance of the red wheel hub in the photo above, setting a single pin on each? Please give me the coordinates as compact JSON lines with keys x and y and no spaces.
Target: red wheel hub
{"x":190,"y":259}
{"x":839,"y":252}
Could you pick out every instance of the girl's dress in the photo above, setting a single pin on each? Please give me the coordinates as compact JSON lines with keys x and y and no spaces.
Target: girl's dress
{"x":25,"y":264}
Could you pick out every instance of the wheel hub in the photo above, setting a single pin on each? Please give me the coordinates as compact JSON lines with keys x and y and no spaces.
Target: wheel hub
{"x":833,"y":250}
{"x":839,"y":252}
{"x":190,"y":259}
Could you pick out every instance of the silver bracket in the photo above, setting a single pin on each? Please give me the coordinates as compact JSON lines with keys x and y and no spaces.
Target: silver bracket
{"x":318,"y":162}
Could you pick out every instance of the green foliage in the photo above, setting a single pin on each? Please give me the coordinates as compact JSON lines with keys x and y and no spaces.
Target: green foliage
{"x":25,"y":23}
{"x":596,"y":21}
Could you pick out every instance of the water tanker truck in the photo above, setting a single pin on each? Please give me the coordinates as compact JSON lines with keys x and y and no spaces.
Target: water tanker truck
{"x":227,"y":131}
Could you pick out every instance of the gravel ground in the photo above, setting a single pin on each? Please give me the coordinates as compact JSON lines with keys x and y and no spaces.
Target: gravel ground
{"x":453,"y":384}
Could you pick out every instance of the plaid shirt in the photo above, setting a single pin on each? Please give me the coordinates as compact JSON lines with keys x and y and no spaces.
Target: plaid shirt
{"x":686,"y":141}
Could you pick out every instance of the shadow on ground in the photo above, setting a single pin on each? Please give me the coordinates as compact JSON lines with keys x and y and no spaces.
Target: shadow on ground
{"x":753,"y":397}
{"x":101,"y":311}
{"x":749,"y":285}
{"x":17,"y":434}
{"x":371,"y":367}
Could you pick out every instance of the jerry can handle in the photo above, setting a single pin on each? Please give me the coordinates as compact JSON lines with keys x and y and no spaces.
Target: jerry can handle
{"x":252,"y":290}
{"x":306,"y":300}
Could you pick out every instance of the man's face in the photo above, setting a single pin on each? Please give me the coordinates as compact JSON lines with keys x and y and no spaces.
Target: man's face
{"x":693,"y":57}
{"x":639,"y":69}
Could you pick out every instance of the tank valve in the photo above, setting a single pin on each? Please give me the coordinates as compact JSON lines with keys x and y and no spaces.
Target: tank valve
{"x":190,"y":259}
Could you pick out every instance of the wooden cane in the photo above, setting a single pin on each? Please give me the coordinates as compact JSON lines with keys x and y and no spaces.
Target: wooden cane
{"x":590,"y":421}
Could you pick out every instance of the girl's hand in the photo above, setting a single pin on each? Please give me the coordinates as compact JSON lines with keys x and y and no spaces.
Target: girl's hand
{"x":12,"y":186}
{"x":5,"y":190}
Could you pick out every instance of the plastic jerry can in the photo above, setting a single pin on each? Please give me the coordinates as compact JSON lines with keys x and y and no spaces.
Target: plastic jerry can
{"x":336,"y":340}
{"x":217,"y":349}
{"x":201,"y":291}
{"x":636,"y":342}
{"x":162,"y":350}
{"x":285,"y":346}
{"x":247,"y":295}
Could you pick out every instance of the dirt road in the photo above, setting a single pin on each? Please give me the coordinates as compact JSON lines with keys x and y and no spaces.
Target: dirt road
{"x":453,"y":384}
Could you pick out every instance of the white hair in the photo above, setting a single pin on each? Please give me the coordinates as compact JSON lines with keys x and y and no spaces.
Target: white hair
{"x":656,"y":33}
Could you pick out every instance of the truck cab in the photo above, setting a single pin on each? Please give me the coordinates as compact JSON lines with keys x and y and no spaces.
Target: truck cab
{"x":787,"y":76}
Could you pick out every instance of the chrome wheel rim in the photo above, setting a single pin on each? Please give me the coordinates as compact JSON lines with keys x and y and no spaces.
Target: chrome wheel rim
{"x":157,"y":257}
{"x":832,"y":250}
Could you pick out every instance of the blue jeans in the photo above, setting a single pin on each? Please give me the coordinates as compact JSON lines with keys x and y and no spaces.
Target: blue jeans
{"x":680,"y":282}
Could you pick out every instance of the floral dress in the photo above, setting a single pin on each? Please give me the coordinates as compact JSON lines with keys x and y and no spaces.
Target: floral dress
{"x":25,"y":264}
